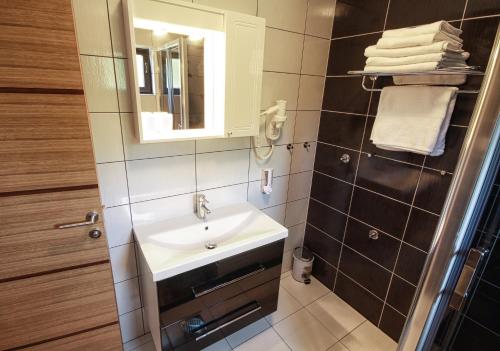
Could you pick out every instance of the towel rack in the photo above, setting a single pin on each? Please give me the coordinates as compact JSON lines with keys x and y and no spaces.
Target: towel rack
{"x":470,"y":70}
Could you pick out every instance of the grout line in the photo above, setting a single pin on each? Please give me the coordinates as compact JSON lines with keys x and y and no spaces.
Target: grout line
{"x":356,"y":35}
{"x":338,"y":146}
{"x":344,"y":113}
{"x":480,"y":17}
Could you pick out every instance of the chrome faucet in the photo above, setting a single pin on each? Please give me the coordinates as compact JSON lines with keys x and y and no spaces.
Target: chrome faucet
{"x":201,"y":208}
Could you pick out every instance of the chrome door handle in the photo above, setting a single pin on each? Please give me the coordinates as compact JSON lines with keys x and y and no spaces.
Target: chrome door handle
{"x":91,"y":218}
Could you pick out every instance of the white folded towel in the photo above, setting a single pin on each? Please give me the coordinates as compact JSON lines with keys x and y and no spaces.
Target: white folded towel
{"x":437,"y":47}
{"x":417,"y":40}
{"x":439,"y":26}
{"x":414,"y":67}
{"x":434,"y":57}
{"x":431,"y":79}
{"x":414,"y":118}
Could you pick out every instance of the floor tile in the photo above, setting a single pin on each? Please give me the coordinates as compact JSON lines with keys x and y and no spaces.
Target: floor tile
{"x":338,"y":347}
{"x":336,"y":315}
{"x":368,"y":337}
{"x":247,"y":333}
{"x":302,"y":332}
{"x":305,"y":294}
{"x":287,"y":305}
{"x":286,"y":274}
{"x":220,"y":345}
{"x":268,"y":340}
{"x":150,"y":346}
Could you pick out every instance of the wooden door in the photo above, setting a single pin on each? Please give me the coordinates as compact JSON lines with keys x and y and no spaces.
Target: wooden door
{"x":56,"y":286}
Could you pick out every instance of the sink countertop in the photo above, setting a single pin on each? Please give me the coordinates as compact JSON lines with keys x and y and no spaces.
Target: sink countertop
{"x":175,"y":246}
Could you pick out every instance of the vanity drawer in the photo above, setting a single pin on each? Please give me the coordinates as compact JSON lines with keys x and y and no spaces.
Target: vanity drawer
{"x":203,"y":327}
{"x":208,"y":285}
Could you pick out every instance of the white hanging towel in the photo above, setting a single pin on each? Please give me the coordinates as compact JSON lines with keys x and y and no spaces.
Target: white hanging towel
{"x":418,"y":40}
{"x":414,"y":119}
{"x":439,"y":26}
{"x":437,"y":47}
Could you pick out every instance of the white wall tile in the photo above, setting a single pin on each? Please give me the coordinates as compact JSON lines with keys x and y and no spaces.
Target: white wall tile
{"x":296,"y":212}
{"x":92,"y":27}
{"x":244,"y":6}
{"x":134,"y":150}
{"x":112,"y":183}
{"x":279,"y":162}
{"x":161,"y":177}
{"x":119,"y":42}
{"x":315,"y":58}
{"x":295,"y":236}
{"x":286,"y":263}
{"x":131,"y":325}
{"x":320,"y":18}
{"x":224,"y":168}
{"x":127,"y":296}
{"x":106,"y":137}
{"x":277,"y":213}
{"x":225,"y":196}
{"x":118,"y":225}
{"x":279,"y":86}
{"x":303,"y":158}
{"x":300,"y":186}
{"x":222,"y":144}
{"x":277,"y":197}
{"x":99,"y":83}
{"x":306,"y":126}
{"x":284,"y":14}
{"x":283,"y":51}
{"x":311,"y":93}
{"x":123,"y":85}
{"x":123,"y":262}
{"x":162,"y":209}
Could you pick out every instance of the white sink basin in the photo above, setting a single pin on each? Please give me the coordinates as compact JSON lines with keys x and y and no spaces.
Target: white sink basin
{"x":177,"y":245}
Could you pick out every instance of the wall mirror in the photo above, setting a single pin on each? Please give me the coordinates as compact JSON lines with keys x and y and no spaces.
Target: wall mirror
{"x":196,"y":71}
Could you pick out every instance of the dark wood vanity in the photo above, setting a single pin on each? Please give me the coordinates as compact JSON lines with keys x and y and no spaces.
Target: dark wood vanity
{"x":201,"y":306}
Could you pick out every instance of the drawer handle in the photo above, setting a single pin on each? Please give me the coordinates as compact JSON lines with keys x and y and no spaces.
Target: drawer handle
{"x":90,"y":219}
{"x":232,"y":281}
{"x":258,"y":308}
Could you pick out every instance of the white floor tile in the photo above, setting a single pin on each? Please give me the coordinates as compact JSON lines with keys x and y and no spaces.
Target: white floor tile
{"x":247,"y":333}
{"x":367,"y":337}
{"x":220,"y":345}
{"x":268,"y":340}
{"x":302,"y":332}
{"x":150,"y":346}
{"x":304,"y":293}
{"x":336,"y":315}
{"x":338,"y":347}
{"x":287,"y":305}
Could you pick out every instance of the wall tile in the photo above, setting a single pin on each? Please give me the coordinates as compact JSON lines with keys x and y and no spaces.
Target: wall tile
{"x":118,"y":223}
{"x":306,"y":126}
{"x":106,"y":137}
{"x":324,"y":272}
{"x":161,"y":177}
{"x":300,"y":185}
{"x":392,"y":323}
{"x":432,"y":190}
{"x":320,"y":18}
{"x":315,"y":57}
{"x":244,"y":6}
{"x":473,"y":336}
{"x":484,"y":305}
{"x":311,"y":92}
{"x":358,"y":17}
{"x":99,"y":83}
{"x":222,"y":144}
{"x":295,"y":236}
{"x":284,"y":14}
{"x":303,"y":158}
{"x":341,"y":129}
{"x":92,"y":27}
{"x":344,"y":94}
{"x":286,"y":135}
{"x":331,"y":192}
{"x":421,"y":228}
{"x":112,"y":183}
{"x":328,"y":220}
{"x":286,"y":263}
{"x":279,"y":162}
{"x":477,"y":8}
{"x":117,"y":27}
{"x":123,"y":85}
{"x":279,"y":86}
{"x":162,"y":209}
{"x":127,"y":296}
{"x":123,"y":262}
{"x":134,"y":150}
{"x":283,"y":51}
{"x":400,"y":295}
{"x":410,"y":263}
{"x":322,"y":245}
{"x":348,"y":54}
{"x":277,"y":197}
{"x":225,"y":196}
{"x":221,"y":168}
{"x":131,"y":325}
{"x":296,"y":212}
{"x":328,"y":161}
{"x":277,"y":213}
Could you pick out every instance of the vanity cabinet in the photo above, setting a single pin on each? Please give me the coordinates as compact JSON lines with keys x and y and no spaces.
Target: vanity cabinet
{"x":197,"y":308}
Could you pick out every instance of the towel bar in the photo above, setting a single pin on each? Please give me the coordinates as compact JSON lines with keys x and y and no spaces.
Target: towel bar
{"x":373,"y":78}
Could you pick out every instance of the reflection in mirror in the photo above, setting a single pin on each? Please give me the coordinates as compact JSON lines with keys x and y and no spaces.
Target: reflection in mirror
{"x":170,"y":72}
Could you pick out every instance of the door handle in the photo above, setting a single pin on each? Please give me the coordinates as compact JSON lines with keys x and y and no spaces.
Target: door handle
{"x":91,"y":218}
{"x":467,"y":275}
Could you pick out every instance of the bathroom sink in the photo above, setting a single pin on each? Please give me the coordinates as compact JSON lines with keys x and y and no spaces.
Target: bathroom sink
{"x":180,"y":244}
